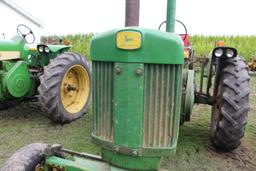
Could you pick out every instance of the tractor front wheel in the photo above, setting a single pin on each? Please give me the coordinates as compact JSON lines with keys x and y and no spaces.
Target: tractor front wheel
{"x":27,"y":158}
{"x":65,"y":87}
{"x":229,"y":113}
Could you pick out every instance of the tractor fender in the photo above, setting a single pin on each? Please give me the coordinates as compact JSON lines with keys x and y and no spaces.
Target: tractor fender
{"x":59,"y":48}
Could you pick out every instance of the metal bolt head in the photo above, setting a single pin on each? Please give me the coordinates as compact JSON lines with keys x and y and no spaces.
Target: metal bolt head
{"x":138,"y":72}
{"x":116,"y":150}
{"x":117,"y":70}
{"x":135,"y":153}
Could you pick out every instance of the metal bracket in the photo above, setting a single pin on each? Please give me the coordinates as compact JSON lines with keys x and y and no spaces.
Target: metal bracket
{"x":201,"y":98}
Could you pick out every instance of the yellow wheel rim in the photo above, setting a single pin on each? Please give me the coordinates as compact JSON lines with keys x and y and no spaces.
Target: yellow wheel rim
{"x":75,"y":89}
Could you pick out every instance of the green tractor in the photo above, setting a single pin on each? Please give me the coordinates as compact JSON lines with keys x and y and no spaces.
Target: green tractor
{"x":143,"y":90}
{"x":59,"y":79}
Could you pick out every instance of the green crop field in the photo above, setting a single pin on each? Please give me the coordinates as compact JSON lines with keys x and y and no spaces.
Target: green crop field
{"x":246,"y":45}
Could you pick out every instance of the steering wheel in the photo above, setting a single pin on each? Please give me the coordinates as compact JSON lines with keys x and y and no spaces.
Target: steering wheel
{"x":24,"y":31}
{"x":185,"y":28}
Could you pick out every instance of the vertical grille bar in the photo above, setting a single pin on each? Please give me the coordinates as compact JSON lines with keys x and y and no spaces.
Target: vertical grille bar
{"x":162,"y":105}
{"x":102,"y":99}
{"x":156,"y":96}
{"x":166,"y":107}
{"x":94,"y":94}
{"x":110,"y":98}
{"x":160,"y":94}
{"x":171,"y":104}
{"x":177,"y":99}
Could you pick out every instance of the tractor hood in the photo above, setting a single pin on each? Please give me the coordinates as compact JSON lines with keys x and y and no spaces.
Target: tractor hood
{"x":133,"y":44}
{"x":16,"y":43}
{"x":12,"y":49}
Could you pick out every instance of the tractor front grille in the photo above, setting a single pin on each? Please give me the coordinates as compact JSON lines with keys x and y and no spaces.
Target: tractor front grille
{"x":159,"y":104}
{"x":162,"y":93}
{"x":102,"y":100}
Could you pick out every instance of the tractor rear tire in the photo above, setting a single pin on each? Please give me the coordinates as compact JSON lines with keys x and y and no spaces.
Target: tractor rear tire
{"x":25,"y":159}
{"x":229,"y":113}
{"x":65,"y":88}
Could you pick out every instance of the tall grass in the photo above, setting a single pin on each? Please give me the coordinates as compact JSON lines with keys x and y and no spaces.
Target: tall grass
{"x":80,"y":43}
{"x":246,"y":45}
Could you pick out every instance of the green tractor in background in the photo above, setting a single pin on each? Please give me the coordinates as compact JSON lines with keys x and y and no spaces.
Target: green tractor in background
{"x":143,"y":90}
{"x":59,"y":79}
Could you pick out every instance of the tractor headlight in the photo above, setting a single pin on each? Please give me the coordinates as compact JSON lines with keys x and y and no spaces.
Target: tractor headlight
{"x":230,"y":53}
{"x":46,"y":49}
{"x":218,"y":52}
{"x":40,"y":48}
{"x":225,"y":52}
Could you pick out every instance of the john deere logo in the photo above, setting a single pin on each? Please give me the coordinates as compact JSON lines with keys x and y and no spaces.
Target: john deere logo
{"x":128,"y":40}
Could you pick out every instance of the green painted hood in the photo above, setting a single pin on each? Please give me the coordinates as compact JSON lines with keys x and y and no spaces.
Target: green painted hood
{"x":156,"y":47}
{"x":15,"y":44}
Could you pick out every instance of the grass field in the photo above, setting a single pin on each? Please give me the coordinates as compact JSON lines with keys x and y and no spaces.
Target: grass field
{"x":26,"y":124}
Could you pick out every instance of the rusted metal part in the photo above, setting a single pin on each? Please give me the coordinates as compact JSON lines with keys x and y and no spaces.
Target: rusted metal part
{"x":55,"y":168}
{"x":132,"y":11}
{"x":39,"y":167}
{"x":51,"y":40}
{"x":82,"y":155}
{"x":252,"y":64}
{"x":53,"y":149}
{"x":57,"y":150}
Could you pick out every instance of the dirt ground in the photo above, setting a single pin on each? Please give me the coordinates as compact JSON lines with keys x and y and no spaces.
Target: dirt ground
{"x":26,"y":124}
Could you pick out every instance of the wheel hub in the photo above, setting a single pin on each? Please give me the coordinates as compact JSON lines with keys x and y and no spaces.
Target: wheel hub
{"x":75,"y":89}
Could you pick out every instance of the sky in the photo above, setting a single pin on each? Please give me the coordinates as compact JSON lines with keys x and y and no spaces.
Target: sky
{"x":206,"y":17}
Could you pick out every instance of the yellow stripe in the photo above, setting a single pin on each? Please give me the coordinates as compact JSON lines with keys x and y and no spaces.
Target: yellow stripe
{"x":9,"y":55}
{"x":33,"y":49}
